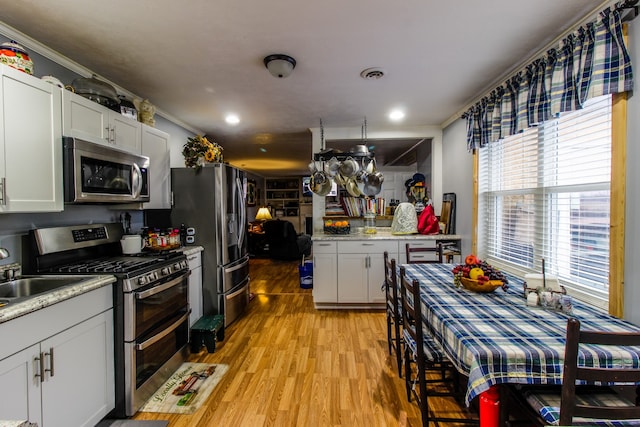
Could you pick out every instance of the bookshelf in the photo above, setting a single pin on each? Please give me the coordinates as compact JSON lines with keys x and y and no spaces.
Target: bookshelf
{"x":283,"y":196}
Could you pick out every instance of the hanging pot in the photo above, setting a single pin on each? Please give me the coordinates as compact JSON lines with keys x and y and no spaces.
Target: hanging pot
{"x":320,"y":188}
{"x":352,"y":188}
{"x":373,"y":184}
{"x":349,"y":167}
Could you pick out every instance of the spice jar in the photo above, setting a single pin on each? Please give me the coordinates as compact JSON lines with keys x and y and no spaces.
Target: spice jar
{"x":370,"y":223}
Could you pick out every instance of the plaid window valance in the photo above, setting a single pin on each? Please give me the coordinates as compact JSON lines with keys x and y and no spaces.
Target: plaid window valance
{"x":591,"y":61}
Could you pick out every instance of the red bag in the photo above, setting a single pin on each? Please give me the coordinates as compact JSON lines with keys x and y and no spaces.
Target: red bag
{"x":428,"y":221}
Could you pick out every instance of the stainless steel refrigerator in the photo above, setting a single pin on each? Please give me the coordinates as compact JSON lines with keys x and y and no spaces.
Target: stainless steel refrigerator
{"x":212,"y":201}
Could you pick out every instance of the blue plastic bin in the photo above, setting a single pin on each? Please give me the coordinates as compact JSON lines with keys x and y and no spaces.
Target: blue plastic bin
{"x":306,"y":274}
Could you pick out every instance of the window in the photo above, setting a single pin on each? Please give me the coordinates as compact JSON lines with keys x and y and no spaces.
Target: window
{"x":545,"y":194}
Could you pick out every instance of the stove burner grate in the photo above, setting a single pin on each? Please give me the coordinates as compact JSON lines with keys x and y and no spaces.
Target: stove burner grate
{"x":117,"y":265}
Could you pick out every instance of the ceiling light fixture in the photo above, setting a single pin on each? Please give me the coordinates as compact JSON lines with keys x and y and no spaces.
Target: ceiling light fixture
{"x":232,"y":119}
{"x":396,"y":115}
{"x":279,"y":65}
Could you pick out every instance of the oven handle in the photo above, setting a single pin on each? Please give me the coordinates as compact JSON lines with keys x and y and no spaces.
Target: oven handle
{"x":160,"y":288}
{"x":164,"y":333}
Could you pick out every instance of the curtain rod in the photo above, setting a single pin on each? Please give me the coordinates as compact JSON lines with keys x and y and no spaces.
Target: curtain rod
{"x":589,"y":17}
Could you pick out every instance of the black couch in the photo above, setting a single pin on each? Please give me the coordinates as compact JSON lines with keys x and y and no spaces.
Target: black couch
{"x":284,"y":243}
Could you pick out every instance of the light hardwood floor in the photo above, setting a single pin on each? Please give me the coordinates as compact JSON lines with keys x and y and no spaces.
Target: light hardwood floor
{"x":293,"y":365}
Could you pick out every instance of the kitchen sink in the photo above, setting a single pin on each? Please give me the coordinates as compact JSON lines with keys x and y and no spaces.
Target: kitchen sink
{"x":26,"y":286}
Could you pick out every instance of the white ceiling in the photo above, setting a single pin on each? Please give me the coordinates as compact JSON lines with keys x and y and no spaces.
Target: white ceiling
{"x":200,"y":59}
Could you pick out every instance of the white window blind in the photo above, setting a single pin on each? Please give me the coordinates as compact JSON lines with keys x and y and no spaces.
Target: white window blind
{"x":544,"y":194}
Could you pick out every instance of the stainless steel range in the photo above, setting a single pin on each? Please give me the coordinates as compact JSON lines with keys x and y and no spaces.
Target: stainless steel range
{"x":151,"y":309}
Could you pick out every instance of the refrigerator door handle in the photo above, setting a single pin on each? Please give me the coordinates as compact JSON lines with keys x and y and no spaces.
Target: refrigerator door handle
{"x":243,"y":214}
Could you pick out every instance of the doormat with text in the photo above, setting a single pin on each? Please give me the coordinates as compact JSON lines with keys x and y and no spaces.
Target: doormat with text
{"x":186,"y":390}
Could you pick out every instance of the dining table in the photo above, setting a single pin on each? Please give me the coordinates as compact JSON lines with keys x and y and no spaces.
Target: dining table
{"x":495,"y":338}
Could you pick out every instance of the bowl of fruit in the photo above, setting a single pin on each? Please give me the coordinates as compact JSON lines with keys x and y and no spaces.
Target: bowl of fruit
{"x":478,"y":276}
{"x":336,"y":227}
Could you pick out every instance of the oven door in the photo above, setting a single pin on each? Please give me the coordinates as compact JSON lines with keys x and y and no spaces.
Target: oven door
{"x":152,"y":359}
{"x":147,"y":307}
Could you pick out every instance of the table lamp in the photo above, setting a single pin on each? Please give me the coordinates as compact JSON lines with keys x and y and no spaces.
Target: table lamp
{"x":263,"y":214}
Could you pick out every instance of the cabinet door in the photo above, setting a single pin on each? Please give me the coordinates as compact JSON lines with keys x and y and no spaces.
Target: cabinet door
{"x":155,"y":145}
{"x":126,"y":132}
{"x":325,"y":277}
{"x":352,"y":277}
{"x":195,"y":287}
{"x":79,"y":385}
{"x":20,"y":391}
{"x":376,"y":277}
{"x":30,"y":144}
{"x":85,"y":119}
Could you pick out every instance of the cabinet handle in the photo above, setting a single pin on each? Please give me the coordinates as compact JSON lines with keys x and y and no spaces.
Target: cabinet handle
{"x":112,"y":134}
{"x":319,"y":244}
{"x":3,"y":191}
{"x":367,"y":244}
{"x":40,"y":373}
{"x":50,"y":354}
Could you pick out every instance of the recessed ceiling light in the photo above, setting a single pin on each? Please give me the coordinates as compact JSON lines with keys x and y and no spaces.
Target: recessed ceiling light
{"x":396,"y":115}
{"x":232,"y":119}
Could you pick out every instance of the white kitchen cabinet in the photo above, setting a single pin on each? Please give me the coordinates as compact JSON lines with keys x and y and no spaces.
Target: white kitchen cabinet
{"x":30,"y":144}
{"x":88,"y":120}
{"x":20,"y":397}
{"x":361,"y":270}
{"x":353,"y":277}
{"x":155,"y":145}
{"x":77,"y":388}
{"x":195,"y":287}
{"x":325,"y":272}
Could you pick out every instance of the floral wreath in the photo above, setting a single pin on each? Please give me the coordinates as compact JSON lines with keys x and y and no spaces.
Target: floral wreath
{"x":199,"y":150}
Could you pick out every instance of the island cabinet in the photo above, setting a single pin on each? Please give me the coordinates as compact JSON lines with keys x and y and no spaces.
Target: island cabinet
{"x":30,"y":150}
{"x":88,"y":120}
{"x":350,"y":273}
{"x":361,"y":270}
{"x":56,"y":364}
{"x":348,"y":270}
{"x":325,"y":271}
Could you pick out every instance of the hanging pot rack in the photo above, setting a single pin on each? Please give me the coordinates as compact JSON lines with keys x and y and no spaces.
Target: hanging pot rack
{"x":359,"y":153}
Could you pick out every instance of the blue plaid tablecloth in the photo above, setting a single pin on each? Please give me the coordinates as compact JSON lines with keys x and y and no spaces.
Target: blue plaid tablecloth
{"x":496,"y":338}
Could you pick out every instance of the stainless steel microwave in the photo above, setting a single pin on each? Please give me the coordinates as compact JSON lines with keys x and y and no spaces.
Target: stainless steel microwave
{"x":95,"y":173}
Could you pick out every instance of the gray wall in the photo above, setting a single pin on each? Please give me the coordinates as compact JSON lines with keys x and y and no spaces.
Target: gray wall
{"x":457,"y":177}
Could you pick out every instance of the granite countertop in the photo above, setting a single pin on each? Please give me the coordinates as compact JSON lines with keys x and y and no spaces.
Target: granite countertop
{"x":383,"y":233}
{"x":20,"y":308}
{"x":190,"y":250}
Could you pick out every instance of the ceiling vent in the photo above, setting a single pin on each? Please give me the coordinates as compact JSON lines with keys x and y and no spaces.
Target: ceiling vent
{"x":372,"y":74}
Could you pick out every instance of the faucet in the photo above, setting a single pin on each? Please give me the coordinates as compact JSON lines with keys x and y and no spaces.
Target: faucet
{"x":4,"y":253}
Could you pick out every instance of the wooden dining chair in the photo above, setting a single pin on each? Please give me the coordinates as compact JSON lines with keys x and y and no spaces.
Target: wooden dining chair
{"x":424,"y":255}
{"x":394,"y":316}
{"x":425,"y":364}
{"x":598,"y":404}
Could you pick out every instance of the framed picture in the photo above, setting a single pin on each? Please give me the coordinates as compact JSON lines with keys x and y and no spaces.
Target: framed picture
{"x":251,"y":193}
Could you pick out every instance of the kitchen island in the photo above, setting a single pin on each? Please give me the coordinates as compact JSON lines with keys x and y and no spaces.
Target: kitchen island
{"x":348,"y":269}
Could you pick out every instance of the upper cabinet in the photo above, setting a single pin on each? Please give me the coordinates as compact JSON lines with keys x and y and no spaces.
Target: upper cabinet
{"x":30,"y":144}
{"x":155,"y":145}
{"x":88,"y":120}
